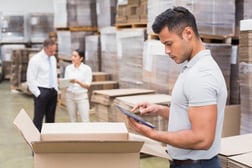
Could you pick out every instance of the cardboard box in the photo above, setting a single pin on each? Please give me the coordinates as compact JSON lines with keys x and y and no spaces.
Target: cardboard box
{"x":241,"y":161}
{"x":151,"y":147}
{"x":95,"y":153}
{"x":232,"y":120}
{"x":92,"y":131}
{"x":234,"y":146}
{"x":103,"y":100}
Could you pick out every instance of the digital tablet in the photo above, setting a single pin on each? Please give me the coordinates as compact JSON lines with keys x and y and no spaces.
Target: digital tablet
{"x":135,"y":117}
{"x":63,"y":83}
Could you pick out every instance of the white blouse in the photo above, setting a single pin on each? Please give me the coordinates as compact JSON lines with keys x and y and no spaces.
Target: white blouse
{"x":83,"y":73}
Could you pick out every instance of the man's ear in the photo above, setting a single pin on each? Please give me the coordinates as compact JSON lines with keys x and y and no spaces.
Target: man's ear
{"x":188,"y":33}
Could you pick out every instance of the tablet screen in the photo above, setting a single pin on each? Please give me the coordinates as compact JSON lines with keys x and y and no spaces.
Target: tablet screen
{"x":135,"y":117}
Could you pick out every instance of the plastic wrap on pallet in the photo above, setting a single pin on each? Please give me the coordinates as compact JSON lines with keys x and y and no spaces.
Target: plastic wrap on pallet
{"x":246,"y":25}
{"x":155,"y":7}
{"x":19,"y":62}
{"x":245,"y":75}
{"x":207,"y":14}
{"x":130,"y":50}
{"x":92,"y":52}
{"x":74,"y":13}
{"x":247,"y":12}
{"x":63,"y":64}
{"x":69,"y":41}
{"x":6,"y":51}
{"x":60,"y":13}
{"x":159,"y":71}
{"x":243,"y":12}
{"x":222,"y":55}
{"x":106,"y":11}
{"x":234,"y":77}
{"x":208,"y":18}
{"x":13,"y":27}
{"x":39,"y":25}
{"x":110,"y":60}
{"x":6,"y":54}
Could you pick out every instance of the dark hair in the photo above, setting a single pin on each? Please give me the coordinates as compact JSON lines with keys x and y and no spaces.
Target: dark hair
{"x":81,"y":53}
{"x":176,"y":20}
{"x":48,"y":42}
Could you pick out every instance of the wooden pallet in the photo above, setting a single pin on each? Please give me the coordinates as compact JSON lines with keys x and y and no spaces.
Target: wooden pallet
{"x":153,"y":36}
{"x":206,"y":38}
{"x":130,"y":25}
{"x":228,"y":39}
{"x":77,"y":29}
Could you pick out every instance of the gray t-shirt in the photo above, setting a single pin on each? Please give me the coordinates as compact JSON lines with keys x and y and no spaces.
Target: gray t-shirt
{"x":200,"y":83}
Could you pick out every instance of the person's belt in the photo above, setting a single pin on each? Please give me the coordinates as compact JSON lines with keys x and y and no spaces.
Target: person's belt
{"x":184,"y":162}
{"x":51,"y":89}
{"x":189,"y":161}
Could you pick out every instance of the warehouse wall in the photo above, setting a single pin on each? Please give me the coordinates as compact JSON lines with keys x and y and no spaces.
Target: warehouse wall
{"x":26,"y":6}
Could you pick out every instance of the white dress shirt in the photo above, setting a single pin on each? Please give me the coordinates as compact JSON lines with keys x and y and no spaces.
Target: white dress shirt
{"x":38,"y":72}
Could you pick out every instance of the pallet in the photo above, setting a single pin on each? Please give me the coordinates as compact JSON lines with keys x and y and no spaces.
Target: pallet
{"x":130,"y":25}
{"x":228,"y":39}
{"x":77,"y":29}
{"x":206,"y":38}
{"x":153,"y":36}
{"x":21,"y":88}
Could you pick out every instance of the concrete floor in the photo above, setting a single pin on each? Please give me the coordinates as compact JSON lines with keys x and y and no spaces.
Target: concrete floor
{"x":15,"y":153}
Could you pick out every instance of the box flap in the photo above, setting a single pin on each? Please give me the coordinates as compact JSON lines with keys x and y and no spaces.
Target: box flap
{"x":150,"y":146}
{"x":236,"y":145}
{"x":84,"y":131}
{"x":244,"y":159}
{"x":26,"y":127}
{"x":87,"y":146}
{"x":122,"y":92}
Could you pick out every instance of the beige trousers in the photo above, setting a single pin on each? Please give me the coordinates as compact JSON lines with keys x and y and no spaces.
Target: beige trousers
{"x":77,"y":103}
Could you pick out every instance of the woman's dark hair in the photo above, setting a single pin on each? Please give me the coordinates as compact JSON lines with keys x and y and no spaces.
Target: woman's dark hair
{"x":176,"y":19}
{"x":81,"y":54}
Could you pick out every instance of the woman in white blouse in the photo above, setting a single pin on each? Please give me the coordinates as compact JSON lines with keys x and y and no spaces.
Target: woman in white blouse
{"x":80,"y":76}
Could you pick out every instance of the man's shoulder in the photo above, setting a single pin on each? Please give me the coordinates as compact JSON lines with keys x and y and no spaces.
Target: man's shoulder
{"x":36,"y":56}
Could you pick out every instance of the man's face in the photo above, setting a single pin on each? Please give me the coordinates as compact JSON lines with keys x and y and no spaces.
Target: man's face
{"x":177,"y":47}
{"x":50,"y":50}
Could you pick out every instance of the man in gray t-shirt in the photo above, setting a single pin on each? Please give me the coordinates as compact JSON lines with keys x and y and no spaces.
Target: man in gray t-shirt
{"x":199,"y":96}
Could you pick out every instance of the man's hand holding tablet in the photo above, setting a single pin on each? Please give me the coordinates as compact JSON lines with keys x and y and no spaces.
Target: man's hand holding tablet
{"x":135,"y":117}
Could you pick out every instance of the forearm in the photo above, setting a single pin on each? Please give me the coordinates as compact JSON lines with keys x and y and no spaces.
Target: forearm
{"x":163,"y":111}
{"x":186,"y":139}
{"x":83,"y":85}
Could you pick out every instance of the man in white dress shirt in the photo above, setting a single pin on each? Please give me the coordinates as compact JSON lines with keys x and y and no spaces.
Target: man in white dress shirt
{"x":42,"y":82}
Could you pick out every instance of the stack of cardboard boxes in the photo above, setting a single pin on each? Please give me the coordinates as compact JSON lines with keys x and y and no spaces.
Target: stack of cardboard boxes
{"x":103,"y":101}
{"x":235,"y":151}
{"x":132,"y":12}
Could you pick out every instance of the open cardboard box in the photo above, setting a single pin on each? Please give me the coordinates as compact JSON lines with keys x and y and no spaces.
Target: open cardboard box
{"x":241,"y":161}
{"x":234,"y":146}
{"x":67,"y":145}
